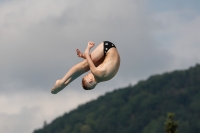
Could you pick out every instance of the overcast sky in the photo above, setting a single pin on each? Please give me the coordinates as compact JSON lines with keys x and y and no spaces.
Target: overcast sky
{"x":38,"y":39}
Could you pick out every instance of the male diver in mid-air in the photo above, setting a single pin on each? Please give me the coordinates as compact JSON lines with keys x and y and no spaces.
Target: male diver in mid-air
{"x":103,"y":64}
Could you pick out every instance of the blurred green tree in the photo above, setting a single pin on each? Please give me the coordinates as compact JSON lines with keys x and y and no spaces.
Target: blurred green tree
{"x":171,"y":125}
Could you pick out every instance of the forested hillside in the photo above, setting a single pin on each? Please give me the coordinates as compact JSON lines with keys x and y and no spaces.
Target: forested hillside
{"x":138,"y":109}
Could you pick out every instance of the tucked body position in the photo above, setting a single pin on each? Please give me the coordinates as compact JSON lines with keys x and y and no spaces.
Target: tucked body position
{"x":103,"y":64}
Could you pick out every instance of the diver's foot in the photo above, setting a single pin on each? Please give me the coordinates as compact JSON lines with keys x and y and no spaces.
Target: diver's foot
{"x":57,"y":87}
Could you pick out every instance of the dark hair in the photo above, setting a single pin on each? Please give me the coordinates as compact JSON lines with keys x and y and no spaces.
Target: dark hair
{"x":84,"y":84}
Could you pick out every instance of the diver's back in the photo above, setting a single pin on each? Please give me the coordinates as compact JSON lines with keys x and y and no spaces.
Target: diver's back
{"x":111,"y":63}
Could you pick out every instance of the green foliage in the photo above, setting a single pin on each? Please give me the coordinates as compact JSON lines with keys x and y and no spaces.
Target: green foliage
{"x":138,"y":109}
{"x":170,"y":125}
{"x":154,"y":126}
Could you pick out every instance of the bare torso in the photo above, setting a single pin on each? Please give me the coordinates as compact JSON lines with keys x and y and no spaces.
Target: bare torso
{"x":110,"y":65}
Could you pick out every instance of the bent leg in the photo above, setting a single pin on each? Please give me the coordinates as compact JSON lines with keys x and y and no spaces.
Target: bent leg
{"x":97,"y":53}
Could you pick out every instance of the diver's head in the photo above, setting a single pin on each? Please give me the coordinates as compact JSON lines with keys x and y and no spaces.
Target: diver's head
{"x":89,"y":81}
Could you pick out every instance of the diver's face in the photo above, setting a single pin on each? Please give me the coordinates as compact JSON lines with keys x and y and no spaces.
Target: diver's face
{"x":89,"y":78}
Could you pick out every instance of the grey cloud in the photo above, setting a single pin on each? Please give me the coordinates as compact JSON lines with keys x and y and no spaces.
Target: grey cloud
{"x":46,"y":49}
{"x":38,"y":47}
{"x":43,"y":51}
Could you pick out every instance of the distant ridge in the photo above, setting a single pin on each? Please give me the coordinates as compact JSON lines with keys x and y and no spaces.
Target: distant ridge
{"x":138,"y":109}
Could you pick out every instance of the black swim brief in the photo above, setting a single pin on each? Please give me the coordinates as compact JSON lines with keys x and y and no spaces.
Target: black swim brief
{"x":107,"y":46}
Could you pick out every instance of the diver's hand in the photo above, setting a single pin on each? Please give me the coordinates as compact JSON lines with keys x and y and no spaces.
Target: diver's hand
{"x":90,"y":45}
{"x":80,"y":54}
{"x":87,"y":50}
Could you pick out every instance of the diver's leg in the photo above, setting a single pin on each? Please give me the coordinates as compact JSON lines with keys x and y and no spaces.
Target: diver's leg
{"x":98,"y":53}
{"x":97,"y":57}
{"x":71,"y":75}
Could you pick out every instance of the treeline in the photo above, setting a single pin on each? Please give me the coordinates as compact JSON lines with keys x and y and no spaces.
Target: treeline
{"x":138,"y":109}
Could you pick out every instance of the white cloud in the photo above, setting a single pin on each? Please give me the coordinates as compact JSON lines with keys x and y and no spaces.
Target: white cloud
{"x":26,"y":111}
{"x":22,"y":122}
